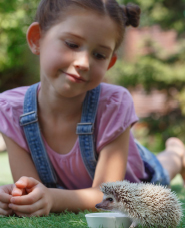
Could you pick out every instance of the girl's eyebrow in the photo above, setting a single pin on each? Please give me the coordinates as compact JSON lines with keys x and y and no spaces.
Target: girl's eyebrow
{"x":72,"y":34}
{"x":79,"y":37}
{"x":106,"y":47}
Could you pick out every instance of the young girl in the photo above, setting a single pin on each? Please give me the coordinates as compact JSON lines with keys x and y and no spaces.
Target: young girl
{"x":52,"y":129}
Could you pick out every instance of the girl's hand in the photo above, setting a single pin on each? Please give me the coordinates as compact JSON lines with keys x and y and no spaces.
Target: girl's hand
{"x":30,"y":198}
{"x":5,"y":197}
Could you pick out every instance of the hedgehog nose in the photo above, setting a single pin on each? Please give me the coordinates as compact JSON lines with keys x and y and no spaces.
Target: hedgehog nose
{"x":97,"y":206}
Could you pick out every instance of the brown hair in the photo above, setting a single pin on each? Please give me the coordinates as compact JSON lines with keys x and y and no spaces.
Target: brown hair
{"x":50,"y":11}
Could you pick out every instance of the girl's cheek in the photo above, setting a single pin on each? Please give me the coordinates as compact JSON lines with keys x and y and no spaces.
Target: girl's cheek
{"x":101,"y":70}
{"x":49,"y":61}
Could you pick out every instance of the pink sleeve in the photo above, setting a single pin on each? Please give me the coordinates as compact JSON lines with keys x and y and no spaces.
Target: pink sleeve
{"x":115,"y":113}
{"x":11,"y":105}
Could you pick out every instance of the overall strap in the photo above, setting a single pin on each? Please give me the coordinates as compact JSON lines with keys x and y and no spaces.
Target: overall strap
{"x":29,"y":122}
{"x":85,"y":130}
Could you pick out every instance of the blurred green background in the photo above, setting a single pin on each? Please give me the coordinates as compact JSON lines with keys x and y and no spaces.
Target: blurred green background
{"x":151,"y":64}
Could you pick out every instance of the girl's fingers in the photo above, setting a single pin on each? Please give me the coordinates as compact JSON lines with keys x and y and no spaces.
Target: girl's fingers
{"x":35,"y":202}
{"x":29,"y":199}
{"x":18,"y":191}
{"x":4,"y":206}
{"x":5,"y":193}
{"x":5,"y":198}
{"x":26,"y":209}
{"x":7,"y":189}
{"x":38,"y":213}
{"x":26,"y":182}
{"x":5,"y":212}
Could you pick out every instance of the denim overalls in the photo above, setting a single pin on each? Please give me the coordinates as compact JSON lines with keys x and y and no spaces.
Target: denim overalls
{"x":85,"y":130}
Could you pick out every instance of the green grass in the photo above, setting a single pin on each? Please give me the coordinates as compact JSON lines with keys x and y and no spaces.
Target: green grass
{"x":64,"y":220}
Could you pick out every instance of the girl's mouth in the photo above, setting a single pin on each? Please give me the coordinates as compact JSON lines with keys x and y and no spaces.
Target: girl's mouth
{"x":74,"y":78}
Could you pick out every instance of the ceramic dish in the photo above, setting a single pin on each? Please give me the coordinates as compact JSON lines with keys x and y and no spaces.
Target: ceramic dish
{"x":107,"y":220}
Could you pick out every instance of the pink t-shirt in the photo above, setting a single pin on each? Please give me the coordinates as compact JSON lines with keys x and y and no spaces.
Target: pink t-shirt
{"x":115,"y":113}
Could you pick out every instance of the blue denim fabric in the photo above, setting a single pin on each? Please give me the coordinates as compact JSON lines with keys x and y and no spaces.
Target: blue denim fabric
{"x":157,"y":174}
{"x":85,"y":130}
{"x":29,"y":122}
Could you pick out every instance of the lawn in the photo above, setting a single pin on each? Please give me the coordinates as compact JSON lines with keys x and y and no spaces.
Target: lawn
{"x":64,"y":220}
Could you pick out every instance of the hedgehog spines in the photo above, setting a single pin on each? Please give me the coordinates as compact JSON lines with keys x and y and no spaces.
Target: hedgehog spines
{"x":150,"y":204}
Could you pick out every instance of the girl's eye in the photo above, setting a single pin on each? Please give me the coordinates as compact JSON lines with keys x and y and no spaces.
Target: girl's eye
{"x":71,"y":45}
{"x":99,"y":56}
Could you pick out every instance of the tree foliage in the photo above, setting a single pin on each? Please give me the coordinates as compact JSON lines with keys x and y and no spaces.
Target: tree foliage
{"x":169,"y":14}
{"x":152,"y":72}
{"x":17,"y":65}
{"x":157,"y":71}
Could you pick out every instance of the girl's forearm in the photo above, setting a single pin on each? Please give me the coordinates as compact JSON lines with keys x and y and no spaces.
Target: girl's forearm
{"x":75,"y":200}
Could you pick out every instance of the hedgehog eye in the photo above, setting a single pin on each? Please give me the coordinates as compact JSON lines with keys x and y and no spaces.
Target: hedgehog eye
{"x":110,"y":199}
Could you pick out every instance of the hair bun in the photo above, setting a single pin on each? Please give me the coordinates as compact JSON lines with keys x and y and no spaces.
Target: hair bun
{"x":131,"y":14}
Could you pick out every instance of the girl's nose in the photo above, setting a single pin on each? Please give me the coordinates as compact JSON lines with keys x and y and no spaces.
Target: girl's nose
{"x":82,"y":61}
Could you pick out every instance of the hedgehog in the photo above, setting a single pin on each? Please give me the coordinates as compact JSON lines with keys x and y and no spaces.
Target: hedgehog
{"x":146,"y":204}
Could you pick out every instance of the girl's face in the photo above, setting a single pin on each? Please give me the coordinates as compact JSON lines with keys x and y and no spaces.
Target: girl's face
{"x":76,"y":52}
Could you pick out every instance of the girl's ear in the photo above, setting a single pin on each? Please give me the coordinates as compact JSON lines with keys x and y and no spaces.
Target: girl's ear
{"x":33,"y":38}
{"x":112,"y":61}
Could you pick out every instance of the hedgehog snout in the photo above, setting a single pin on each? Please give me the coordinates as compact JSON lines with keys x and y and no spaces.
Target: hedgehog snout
{"x":103,"y":205}
{"x":106,"y":204}
{"x":98,"y":206}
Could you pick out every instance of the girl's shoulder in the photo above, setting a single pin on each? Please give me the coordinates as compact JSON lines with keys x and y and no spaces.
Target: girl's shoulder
{"x":115,"y":113}
{"x":13,"y":97}
{"x":114,"y":93}
{"x":11,"y":105}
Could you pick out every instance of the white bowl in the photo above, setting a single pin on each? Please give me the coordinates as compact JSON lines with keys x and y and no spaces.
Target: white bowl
{"x":108,"y":220}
